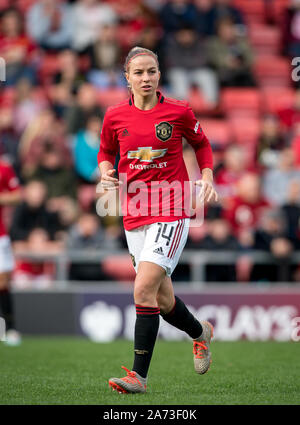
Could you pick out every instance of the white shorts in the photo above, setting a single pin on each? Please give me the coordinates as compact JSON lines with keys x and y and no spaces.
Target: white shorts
{"x":160,"y":243}
{"x":7,"y":262}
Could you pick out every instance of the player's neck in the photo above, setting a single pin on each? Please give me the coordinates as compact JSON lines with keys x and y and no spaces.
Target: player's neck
{"x":145,"y":102}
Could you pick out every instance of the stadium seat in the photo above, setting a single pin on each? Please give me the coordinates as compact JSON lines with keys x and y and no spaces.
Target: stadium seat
{"x":276,"y":98}
{"x":274,"y":71}
{"x":197,"y":102}
{"x":246,"y":132}
{"x":24,"y":5}
{"x":124,"y":272}
{"x":241,"y":102}
{"x":112,"y":96}
{"x":253,"y":10}
{"x":7,"y":97}
{"x":265,"y":39}
{"x":278,"y":7}
{"x":217,"y":131}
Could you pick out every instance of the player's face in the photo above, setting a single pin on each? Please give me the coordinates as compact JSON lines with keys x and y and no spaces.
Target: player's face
{"x":143,"y":76}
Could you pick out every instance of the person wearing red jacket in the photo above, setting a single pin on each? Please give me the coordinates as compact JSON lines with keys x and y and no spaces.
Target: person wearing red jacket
{"x":148,"y":129}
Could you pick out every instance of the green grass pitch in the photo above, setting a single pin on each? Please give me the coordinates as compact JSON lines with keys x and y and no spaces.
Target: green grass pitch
{"x":76,"y":371}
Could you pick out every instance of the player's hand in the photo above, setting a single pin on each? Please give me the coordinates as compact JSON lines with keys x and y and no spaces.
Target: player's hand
{"x":108,"y":182}
{"x":208,"y":192}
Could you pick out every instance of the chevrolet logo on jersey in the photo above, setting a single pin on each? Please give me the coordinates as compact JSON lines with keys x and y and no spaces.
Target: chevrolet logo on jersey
{"x":146,"y":154}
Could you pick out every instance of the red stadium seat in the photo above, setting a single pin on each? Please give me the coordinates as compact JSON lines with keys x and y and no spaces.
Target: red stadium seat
{"x":274,"y":71}
{"x":244,"y":130}
{"x":124,"y":271}
{"x":197,"y":102}
{"x":241,"y":102}
{"x":8,"y":97}
{"x":112,"y":96}
{"x":253,"y":10}
{"x":24,"y":5}
{"x":278,"y":8}
{"x":265,"y":39}
{"x":276,"y":98}
{"x":217,"y":131}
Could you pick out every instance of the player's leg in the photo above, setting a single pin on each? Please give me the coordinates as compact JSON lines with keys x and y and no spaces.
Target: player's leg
{"x":174,"y":311}
{"x":148,"y":279}
{"x":6,"y":305}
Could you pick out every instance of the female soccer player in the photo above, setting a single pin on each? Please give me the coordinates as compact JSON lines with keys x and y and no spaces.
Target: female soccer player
{"x":148,"y":130}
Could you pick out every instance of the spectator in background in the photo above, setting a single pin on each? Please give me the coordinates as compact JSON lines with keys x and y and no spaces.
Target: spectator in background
{"x":223,"y":9}
{"x":28,"y":274}
{"x":85,"y":105}
{"x":186,"y":60}
{"x":291,"y":29}
{"x":231,"y":56}
{"x":85,"y":234}
{"x":289,"y":117}
{"x":244,"y":210}
{"x":291,"y":212}
{"x":60,"y":180}
{"x":205,"y":17}
{"x":16,"y":48}
{"x":176,"y":14}
{"x":270,"y":142}
{"x":106,"y":70}
{"x":276,"y":180}
{"x":85,"y":150}
{"x":32,"y":213}
{"x":234,"y":167}
{"x":219,"y":238}
{"x":44,"y":129}
{"x":50,"y":24}
{"x":271,"y":236}
{"x":9,"y":139}
{"x":89,"y":17}
{"x":27,"y":105}
{"x":69,"y":73}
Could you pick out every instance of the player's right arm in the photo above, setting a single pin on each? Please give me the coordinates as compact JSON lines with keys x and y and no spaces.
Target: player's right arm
{"x":107,"y":154}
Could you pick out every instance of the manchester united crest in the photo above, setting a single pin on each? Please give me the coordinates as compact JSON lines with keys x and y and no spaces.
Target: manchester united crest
{"x":163,"y":131}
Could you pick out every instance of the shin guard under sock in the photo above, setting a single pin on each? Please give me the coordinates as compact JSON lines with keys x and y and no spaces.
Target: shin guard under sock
{"x":145,"y":333}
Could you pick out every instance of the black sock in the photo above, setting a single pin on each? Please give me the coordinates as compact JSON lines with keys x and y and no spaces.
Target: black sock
{"x":145,"y":333}
{"x":182,"y":318}
{"x":6,"y":308}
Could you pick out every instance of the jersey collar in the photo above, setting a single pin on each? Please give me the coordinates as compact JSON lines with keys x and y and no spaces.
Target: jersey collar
{"x":158,"y":94}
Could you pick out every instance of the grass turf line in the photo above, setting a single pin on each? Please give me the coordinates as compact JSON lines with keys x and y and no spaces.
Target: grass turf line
{"x":63,"y":370}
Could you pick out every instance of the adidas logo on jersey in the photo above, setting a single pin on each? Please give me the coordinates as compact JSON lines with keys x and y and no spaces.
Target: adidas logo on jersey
{"x":159,"y":251}
{"x":125,"y":132}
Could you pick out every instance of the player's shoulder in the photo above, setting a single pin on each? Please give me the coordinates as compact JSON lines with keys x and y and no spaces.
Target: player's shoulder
{"x":115,"y":109}
{"x":180,"y":104}
{"x":5,"y":165}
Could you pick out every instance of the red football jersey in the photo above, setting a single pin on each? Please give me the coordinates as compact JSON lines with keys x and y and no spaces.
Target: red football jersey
{"x":150,"y":144}
{"x":8,"y":183}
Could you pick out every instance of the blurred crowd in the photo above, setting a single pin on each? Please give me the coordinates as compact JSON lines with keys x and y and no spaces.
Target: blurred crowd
{"x":64,"y":67}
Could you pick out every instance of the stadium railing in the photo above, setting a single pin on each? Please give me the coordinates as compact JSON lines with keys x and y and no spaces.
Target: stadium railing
{"x":196,"y":260}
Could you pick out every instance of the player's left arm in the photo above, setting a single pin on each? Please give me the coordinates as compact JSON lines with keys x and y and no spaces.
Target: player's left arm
{"x":199,"y":142}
